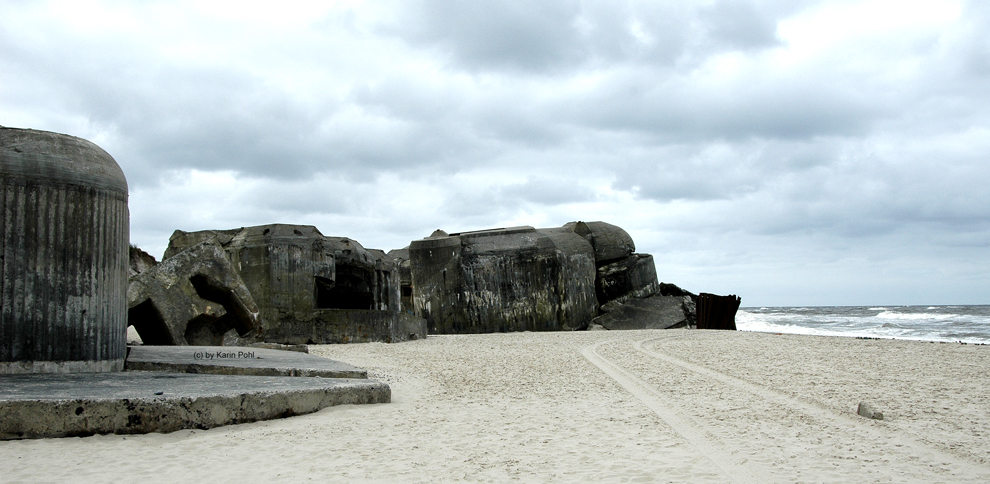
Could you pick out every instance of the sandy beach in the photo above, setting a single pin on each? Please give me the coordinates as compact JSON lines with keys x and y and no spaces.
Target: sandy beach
{"x":599,"y":406}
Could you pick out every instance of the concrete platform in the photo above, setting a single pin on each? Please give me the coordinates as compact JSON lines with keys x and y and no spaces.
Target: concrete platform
{"x":65,"y":405}
{"x":239,"y":360}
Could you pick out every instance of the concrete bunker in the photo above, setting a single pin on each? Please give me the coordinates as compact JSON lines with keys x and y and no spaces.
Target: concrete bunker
{"x":310,"y":288}
{"x":511,"y":279}
{"x":526,"y":279}
{"x":63,"y":255}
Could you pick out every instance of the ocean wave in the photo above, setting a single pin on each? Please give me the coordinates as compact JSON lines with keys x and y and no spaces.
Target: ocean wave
{"x":915,"y":316}
{"x":969,"y":324}
{"x":767,"y":327}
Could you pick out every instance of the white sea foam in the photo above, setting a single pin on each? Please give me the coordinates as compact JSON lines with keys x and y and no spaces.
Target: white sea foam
{"x":916,"y":316}
{"x":969,"y":324}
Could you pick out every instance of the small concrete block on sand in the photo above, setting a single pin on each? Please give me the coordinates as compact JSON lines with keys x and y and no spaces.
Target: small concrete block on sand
{"x":182,"y":387}
{"x":866,"y":409}
{"x":63,"y":405}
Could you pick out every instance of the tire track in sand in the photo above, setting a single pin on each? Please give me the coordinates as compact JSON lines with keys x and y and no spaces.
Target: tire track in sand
{"x":734,"y":470}
{"x":848,"y":424}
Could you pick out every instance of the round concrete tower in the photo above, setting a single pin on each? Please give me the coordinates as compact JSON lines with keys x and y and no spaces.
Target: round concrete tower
{"x":63,"y":255}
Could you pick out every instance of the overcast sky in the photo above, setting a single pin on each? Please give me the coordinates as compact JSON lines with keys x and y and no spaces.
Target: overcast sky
{"x":790,"y":152}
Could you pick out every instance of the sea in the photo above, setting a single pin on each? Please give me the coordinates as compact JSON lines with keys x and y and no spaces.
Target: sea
{"x":962,"y":324}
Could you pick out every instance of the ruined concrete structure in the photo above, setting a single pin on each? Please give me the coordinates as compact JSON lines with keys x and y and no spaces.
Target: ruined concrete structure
{"x":63,"y":255}
{"x":525,"y":279}
{"x":310,"y":288}
{"x":192,"y":298}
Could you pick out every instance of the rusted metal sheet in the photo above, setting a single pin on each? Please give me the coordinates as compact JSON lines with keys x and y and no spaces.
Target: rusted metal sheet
{"x":717,"y":312}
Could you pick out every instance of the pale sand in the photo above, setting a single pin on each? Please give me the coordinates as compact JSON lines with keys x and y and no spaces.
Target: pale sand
{"x":631,"y":406}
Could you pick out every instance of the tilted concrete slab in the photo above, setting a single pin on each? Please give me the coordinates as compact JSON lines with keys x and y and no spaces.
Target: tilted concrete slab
{"x":657,"y":312}
{"x":60,"y":405}
{"x":236,"y":360}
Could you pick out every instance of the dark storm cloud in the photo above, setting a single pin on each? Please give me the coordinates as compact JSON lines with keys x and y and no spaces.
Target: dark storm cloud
{"x":554,"y":37}
{"x":512,"y":34}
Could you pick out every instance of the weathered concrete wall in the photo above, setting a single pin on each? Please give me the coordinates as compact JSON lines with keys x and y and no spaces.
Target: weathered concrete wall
{"x":64,"y":255}
{"x":336,"y":326}
{"x":526,"y":279}
{"x":435,"y":266}
{"x":514,"y":279}
{"x":310,"y":288}
{"x":512,"y":275}
{"x":576,"y":278}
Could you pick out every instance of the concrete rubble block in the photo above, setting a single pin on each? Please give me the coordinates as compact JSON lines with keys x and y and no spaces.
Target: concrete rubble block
{"x":192,"y":297}
{"x":657,"y":312}
{"x":312,"y":288}
{"x":690,"y":301}
{"x":629,"y":278}
{"x":140,"y":261}
{"x":690,"y":310}
{"x":510,"y":279}
{"x":866,"y":409}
